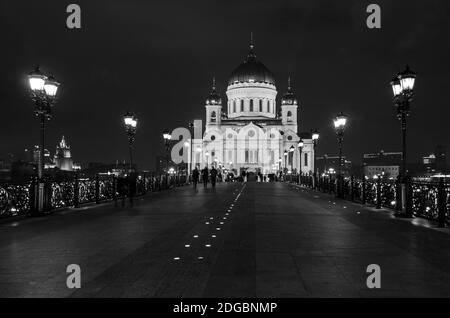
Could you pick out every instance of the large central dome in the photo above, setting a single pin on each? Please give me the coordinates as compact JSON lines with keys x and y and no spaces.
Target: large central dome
{"x":251,"y":71}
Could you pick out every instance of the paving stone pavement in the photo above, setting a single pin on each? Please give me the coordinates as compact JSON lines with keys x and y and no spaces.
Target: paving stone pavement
{"x":241,"y":240}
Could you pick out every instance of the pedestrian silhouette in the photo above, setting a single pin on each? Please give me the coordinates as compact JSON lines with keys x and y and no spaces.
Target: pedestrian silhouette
{"x":205,"y":175}
{"x":195,"y":177}
{"x":213,"y":177}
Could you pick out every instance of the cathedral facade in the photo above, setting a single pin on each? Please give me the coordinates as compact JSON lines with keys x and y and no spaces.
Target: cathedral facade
{"x":249,"y":132}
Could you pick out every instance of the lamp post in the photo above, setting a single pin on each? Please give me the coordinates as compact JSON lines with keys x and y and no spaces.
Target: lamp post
{"x":300,"y":150}
{"x":130,"y":123}
{"x":191,"y":128}
{"x":43,"y":91}
{"x":285,"y":161}
{"x":206,"y":158}
{"x":199,"y":152}
{"x":403,"y":90}
{"x":291,"y":152}
{"x":315,"y":139}
{"x":340,"y":121}
{"x":167,"y":136}
{"x":188,"y":145}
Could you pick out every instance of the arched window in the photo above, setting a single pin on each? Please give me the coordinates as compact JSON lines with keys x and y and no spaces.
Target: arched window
{"x":260,"y":105}
{"x":306,"y":159}
{"x":242,"y":105}
{"x":234,"y":106}
{"x":289,"y":116}
{"x":267,"y":107}
{"x":251,"y":105}
{"x":213,"y":117}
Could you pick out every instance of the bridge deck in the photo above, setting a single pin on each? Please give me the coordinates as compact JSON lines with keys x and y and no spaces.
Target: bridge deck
{"x":276,"y":241}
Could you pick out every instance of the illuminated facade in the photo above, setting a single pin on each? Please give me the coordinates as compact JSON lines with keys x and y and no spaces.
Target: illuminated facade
{"x":249,"y":132}
{"x":63,"y":158}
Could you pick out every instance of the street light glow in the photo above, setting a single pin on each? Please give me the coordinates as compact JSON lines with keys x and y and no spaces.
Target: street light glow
{"x":167,"y":135}
{"x":340,"y":121}
{"x":36,"y":80}
{"x":407,"y":79}
{"x":315,"y":135}
{"x":127,"y":119}
{"x":396,"y":87}
{"x":51,"y":86}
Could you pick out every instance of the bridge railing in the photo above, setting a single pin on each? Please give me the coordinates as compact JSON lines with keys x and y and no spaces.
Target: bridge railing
{"x":430,"y":200}
{"x":72,"y":192}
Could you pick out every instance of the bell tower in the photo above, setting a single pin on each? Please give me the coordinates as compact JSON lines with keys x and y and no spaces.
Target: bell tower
{"x":289,"y":109}
{"x":213,"y":107}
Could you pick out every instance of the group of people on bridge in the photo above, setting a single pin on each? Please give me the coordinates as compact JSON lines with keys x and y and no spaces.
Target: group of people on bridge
{"x":206,"y":175}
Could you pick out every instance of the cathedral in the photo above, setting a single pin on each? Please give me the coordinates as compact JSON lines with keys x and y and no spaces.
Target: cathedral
{"x":249,"y":132}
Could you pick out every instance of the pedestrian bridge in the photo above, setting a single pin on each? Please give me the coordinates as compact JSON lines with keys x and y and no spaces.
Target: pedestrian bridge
{"x":238,"y":240}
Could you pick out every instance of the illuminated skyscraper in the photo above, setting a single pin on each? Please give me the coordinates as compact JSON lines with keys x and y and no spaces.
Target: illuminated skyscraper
{"x":63,"y":159}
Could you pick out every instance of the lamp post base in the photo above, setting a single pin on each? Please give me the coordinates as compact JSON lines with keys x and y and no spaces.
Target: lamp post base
{"x":40,"y":206}
{"x":406,"y":210}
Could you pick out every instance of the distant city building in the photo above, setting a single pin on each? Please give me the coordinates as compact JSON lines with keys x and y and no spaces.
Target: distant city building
{"x":435,"y":162}
{"x":441,"y":158}
{"x":162,"y":163}
{"x":382,"y":163}
{"x":22,"y":171}
{"x":63,"y":157}
{"x":5,"y":169}
{"x":327,"y":164}
{"x":117,"y":168}
{"x":47,"y":159}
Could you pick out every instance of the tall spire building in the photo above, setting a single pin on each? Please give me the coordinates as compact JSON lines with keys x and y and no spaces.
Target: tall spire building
{"x":63,"y":158}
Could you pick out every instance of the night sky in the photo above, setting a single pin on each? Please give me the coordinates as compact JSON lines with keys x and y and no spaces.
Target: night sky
{"x":157,"y":59}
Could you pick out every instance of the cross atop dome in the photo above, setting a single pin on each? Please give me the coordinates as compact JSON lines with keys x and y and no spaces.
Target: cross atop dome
{"x":251,"y":55}
{"x":251,"y":70}
{"x":214,"y":97}
{"x":289,"y":97}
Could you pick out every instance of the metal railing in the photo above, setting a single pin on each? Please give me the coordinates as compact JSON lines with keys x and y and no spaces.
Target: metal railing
{"x":430,"y":200}
{"x":60,"y":193}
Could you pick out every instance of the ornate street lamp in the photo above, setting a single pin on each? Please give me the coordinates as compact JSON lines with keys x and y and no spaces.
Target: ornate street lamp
{"x":191,"y":128}
{"x":291,"y":158}
{"x":301,"y":144}
{"x":43,"y":90}
{"x":167,"y":137}
{"x":315,"y":139}
{"x":340,"y":122}
{"x":403,"y":90}
{"x":130,"y":124}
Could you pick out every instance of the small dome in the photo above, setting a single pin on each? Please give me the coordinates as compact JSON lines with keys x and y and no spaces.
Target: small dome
{"x":251,"y":71}
{"x":289,"y":97}
{"x":214,"y":97}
